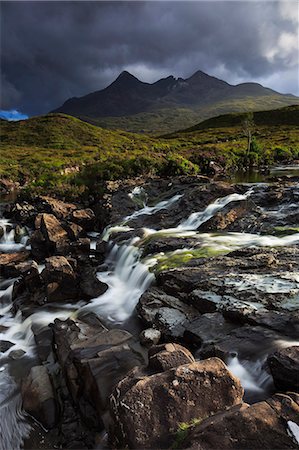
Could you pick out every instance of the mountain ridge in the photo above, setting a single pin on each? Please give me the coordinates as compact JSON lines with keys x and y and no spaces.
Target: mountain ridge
{"x":127,"y":96}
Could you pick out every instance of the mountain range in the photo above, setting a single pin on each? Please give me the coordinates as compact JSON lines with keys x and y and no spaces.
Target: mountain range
{"x":169,"y":103}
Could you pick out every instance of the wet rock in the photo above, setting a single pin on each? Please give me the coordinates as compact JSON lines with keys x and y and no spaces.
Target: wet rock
{"x":93,"y":359}
{"x":260,"y":425}
{"x":60,"y":279}
{"x":84,"y":217}
{"x":167,"y":313}
{"x":43,"y":336}
{"x":90,"y":285}
{"x":207,"y":329}
{"x":169,"y":244}
{"x":236,"y":216}
{"x":28,"y":290}
{"x":80,"y":247}
{"x":284,"y":367}
{"x":22,"y":212}
{"x":167,"y":356}
{"x":38,"y":397}
{"x":244,"y":341}
{"x":8,"y":262}
{"x":150,"y":337}
{"x":284,"y":322}
{"x":148,"y":413}
{"x":5,"y":345}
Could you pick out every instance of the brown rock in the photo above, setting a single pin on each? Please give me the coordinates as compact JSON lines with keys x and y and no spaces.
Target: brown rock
{"x":147,"y":414}
{"x":84,"y":217}
{"x":167,"y":356}
{"x":259,"y":426}
{"x":9,"y":261}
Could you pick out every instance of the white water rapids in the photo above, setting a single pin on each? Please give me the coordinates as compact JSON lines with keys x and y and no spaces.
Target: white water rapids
{"x":127,"y":277}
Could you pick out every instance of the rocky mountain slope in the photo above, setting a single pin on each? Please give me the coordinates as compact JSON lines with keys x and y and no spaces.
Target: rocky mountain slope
{"x":133,"y":105}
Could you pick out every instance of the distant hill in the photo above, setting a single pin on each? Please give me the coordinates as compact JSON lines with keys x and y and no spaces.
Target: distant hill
{"x":59,"y":131}
{"x":170,"y":103}
{"x":288,"y":115}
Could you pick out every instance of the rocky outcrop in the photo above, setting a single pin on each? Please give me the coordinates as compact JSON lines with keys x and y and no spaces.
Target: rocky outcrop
{"x":146,"y":412}
{"x":264,"y":425}
{"x":284,"y":367}
{"x":93,"y":359}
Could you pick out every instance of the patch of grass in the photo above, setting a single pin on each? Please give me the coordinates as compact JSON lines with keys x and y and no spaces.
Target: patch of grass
{"x":179,"y":258}
{"x":182,"y":432}
{"x":285,"y":230}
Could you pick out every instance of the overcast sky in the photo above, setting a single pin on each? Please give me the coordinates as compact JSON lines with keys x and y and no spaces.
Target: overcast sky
{"x":55,"y":50}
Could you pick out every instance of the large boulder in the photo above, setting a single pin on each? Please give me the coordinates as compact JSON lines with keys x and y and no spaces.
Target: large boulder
{"x":265,"y":425}
{"x":148,"y":413}
{"x":39,"y":398}
{"x":284,"y":367}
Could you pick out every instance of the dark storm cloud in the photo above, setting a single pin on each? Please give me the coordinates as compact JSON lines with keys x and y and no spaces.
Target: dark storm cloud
{"x":55,"y":50}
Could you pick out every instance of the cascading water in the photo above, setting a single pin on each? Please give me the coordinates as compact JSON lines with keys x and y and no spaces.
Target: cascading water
{"x":127,"y":278}
{"x":198,"y":218}
{"x":127,"y":282}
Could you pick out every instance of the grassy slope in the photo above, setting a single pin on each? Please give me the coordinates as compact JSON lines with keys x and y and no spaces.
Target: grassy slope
{"x":39,"y":150}
{"x":169,"y":120}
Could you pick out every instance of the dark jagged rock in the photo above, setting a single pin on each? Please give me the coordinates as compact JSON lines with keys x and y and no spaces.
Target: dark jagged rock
{"x":60,"y":279}
{"x":167,"y":313}
{"x":50,"y":237}
{"x":39,"y":398}
{"x":90,"y":285}
{"x":284,"y":367}
{"x":93,"y":359}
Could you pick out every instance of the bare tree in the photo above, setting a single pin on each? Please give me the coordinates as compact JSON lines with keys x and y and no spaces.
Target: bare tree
{"x":248,"y":126}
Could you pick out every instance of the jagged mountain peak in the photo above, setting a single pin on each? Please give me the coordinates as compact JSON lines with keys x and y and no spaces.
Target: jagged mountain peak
{"x":128,"y":96}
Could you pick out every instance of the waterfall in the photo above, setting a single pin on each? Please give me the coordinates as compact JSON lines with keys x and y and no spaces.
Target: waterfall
{"x":127,"y":281}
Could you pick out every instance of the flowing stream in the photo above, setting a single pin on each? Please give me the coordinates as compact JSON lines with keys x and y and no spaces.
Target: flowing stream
{"x":127,"y":276}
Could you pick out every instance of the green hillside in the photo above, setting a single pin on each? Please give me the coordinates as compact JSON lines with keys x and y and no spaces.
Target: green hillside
{"x":162,"y":121}
{"x":64,"y":155}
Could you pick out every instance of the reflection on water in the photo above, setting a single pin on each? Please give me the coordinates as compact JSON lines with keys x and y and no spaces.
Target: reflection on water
{"x":260,"y":176}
